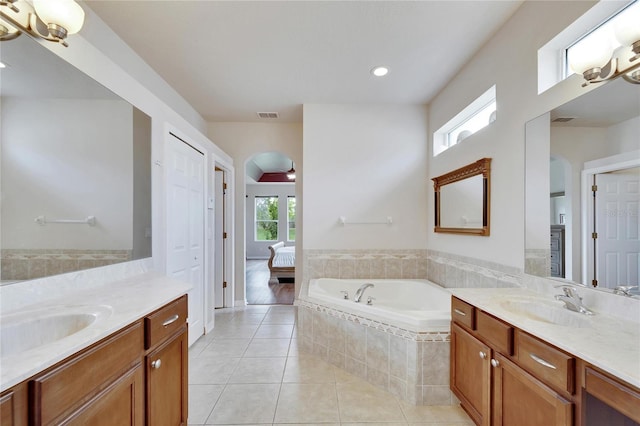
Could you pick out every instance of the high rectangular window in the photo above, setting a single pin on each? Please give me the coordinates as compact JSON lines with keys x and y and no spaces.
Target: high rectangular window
{"x":266,"y":214}
{"x":479,"y":114}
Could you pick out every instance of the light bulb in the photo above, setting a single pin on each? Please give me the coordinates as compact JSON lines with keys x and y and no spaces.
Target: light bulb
{"x":626,"y":25}
{"x":592,"y":52}
{"x":380,"y":71}
{"x":65,"y":13}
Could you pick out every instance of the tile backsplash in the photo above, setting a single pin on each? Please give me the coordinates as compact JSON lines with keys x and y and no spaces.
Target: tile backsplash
{"x":445,"y":269}
{"x":28,"y":264}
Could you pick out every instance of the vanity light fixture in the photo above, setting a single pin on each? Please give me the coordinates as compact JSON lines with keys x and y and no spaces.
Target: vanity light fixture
{"x":597,"y":60}
{"x":291,"y":173}
{"x":380,"y":71}
{"x":51,"y":20}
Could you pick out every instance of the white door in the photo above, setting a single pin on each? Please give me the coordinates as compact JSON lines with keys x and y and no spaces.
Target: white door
{"x":219,"y":254}
{"x":617,"y":223}
{"x":185,"y":225}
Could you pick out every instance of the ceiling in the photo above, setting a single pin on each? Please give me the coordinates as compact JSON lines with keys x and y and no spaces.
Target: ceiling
{"x":232,"y":59}
{"x":612,"y":103}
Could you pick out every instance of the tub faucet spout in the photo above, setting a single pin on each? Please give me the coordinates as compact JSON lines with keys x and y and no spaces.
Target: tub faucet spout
{"x":360,"y":291}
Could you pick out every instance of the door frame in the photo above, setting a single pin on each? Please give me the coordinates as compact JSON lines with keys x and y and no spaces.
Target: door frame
{"x":591,"y":168}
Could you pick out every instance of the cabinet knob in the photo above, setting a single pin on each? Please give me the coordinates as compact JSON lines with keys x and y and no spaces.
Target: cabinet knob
{"x":156,"y":364}
{"x":495,"y":363}
{"x":482,"y":355}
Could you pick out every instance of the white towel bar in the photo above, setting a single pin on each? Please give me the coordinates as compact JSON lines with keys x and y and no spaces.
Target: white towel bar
{"x":89,"y":220}
{"x":343,"y":222}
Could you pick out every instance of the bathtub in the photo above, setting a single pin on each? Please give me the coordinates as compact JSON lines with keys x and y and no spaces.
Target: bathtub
{"x":415,"y":305}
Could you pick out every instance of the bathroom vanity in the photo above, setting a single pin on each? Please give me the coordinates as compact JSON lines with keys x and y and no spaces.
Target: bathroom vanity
{"x":128,"y":368}
{"x":518,"y":359}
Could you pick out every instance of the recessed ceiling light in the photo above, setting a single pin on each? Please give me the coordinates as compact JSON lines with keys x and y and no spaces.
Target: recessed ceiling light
{"x":2,"y":65}
{"x":380,"y":71}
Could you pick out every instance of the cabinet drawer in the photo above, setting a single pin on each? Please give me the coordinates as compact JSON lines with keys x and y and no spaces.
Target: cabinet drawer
{"x":616,"y":395}
{"x":56,"y":393}
{"x":462,"y":313}
{"x":498,"y":334}
{"x":552,"y":366}
{"x":164,"y":322}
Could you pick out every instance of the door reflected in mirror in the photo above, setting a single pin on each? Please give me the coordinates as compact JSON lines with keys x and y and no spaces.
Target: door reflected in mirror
{"x":581,"y":189}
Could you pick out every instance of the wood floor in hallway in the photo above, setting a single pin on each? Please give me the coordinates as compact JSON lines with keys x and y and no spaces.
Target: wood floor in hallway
{"x":260,"y":292}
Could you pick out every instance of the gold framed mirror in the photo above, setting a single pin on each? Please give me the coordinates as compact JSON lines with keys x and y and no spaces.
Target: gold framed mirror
{"x":462,"y":199}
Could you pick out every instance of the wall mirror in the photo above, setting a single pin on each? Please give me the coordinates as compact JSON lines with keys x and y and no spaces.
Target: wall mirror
{"x":462,"y":199}
{"x":581,"y":189}
{"x":75,"y":169}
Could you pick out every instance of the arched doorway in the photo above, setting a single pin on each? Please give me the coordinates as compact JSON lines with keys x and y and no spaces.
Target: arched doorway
{"x":270,"y":212}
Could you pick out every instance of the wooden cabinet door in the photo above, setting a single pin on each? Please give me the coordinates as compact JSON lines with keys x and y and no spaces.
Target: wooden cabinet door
{"x":519,"y":399}
{"x":167,"y":400}
{"x":120,"y":404}
{"x":471,"y":374}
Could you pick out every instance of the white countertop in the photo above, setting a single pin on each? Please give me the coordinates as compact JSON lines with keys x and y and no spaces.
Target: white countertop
{"x":608,"y":343}
{"x":125,"y":301}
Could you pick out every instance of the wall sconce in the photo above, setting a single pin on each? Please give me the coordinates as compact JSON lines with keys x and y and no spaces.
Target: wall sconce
{"x":291,"y":173}
{"x":596,"y":59}
{"x":51,"y":20}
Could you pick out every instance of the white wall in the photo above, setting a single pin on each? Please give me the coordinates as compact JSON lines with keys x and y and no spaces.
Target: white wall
{"x":365,"y":162}
{"x":508,"y":60}
{"x":242,"y":141}
{"x":102,"y":55}
{"x":260,"y":249}
{"x":67,"y":159}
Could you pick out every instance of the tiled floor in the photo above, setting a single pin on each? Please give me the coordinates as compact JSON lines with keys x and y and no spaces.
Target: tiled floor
{"x":249,"y":371}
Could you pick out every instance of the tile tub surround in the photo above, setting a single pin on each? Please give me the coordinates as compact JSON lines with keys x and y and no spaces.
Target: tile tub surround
{"x":128,"y":300}
{"x":412,"y":366}
{"x":28,"y":264}
{"x":446,"y":269}
{"x":454,"y":271}
{"x":409,"y":264}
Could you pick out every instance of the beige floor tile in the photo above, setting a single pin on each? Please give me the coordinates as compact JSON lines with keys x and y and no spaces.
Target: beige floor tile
{"x":294,"y":349}
{"x":274,"y":331}
{"x":247,"y":318}
{"x":434,"y":414}
{"x":211,"y":371}
{"x":259,"y":370}
{"x":202,"y":399}
{"x":307,"y":403}
{"x":345,"y":377}
{"x":308,"y":369}
{"x":360,"y":402}
{"x":268,"y":348}
{"x":231,"y":330}
{"x":280,"y":318}
{"x":246,"y":404}
{"x":375,"y":424}
{"x":226,"y":348}
{"x":282,"y":309}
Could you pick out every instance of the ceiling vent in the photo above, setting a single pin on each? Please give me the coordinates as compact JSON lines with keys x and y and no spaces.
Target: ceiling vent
{"x":268,"y":114}
{"x":563,"y":119}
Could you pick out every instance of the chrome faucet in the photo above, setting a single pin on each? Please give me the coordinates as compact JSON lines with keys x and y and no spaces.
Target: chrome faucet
{"x":360,"y":291}
{"x":572,"y":300}
{"x":624,"y":290}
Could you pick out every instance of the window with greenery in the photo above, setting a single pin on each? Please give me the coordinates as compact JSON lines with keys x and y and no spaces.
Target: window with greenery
{"x":266,"y":218}
{"x":291,"y":217}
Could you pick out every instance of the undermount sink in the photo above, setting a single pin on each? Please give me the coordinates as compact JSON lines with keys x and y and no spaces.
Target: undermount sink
{"x":547,"y":312}
{"x":23,"y":331}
